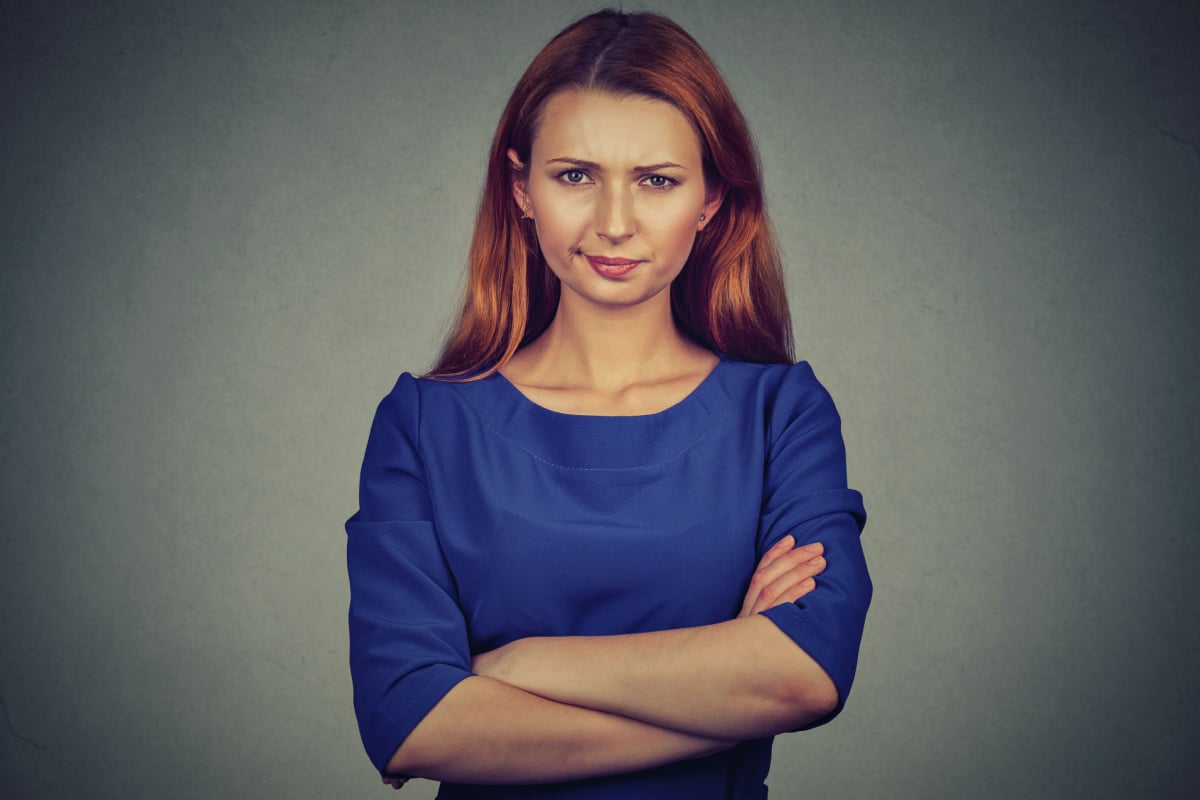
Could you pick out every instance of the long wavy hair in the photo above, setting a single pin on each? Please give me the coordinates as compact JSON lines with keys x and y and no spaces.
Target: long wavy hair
{"x":730,"y":294}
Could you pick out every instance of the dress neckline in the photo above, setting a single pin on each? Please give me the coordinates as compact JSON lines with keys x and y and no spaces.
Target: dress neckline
{"x":596,"y":447}
{"x":696,"y":394}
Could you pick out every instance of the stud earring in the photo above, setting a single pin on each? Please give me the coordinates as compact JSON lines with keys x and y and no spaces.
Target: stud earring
{"x":703,"y":217}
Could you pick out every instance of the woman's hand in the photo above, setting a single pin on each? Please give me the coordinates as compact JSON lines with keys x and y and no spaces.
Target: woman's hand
{"x":784,"y":575}
{"x":395,"y":783}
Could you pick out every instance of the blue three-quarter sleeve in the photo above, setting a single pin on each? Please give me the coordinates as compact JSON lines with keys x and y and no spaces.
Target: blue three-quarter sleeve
{"x":408,"y":639}
{"x":805,"y":494}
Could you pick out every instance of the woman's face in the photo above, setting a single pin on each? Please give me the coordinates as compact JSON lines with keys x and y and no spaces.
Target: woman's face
{"x":615,"y":186}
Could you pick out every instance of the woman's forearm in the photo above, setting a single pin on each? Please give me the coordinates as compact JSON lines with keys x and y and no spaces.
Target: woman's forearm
{"x":486,"y":731}
{"x":740,"y":679}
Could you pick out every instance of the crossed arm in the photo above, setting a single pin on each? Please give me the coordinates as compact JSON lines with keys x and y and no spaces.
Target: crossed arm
{"x":563,"y":708}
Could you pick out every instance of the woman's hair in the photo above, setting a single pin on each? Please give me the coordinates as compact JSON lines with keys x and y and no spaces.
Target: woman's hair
{"x":730,"y":294}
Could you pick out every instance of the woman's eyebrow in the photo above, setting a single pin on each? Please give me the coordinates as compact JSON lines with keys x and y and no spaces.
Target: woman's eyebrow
{"x":657,"y":167}
{"x":575,"y":162}
{"x":592,"y":165}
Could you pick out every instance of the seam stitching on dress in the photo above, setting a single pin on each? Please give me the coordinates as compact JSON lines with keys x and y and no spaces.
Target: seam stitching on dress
{"x":537,"y":457}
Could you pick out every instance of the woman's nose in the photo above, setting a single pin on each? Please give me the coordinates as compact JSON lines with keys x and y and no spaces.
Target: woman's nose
{"x":615,"y":215}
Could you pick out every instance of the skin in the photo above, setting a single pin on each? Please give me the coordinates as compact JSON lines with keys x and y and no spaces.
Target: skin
{"x":550,"y":709}
{"x":620,"y":177}
{"x":612,"y":347}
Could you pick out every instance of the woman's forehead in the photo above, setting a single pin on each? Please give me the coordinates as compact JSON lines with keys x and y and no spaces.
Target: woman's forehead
{"x":617,"y":131}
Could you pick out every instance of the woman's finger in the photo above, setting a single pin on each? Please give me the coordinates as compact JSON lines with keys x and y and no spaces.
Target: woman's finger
{"x":777,"y":587}
{"x":780,"y":548}
{"x":788,"y":594}
{"x":775,"y":562}
{"x":777,"y":551}
{"x":779,"y":573}
{"x":789,"y":563}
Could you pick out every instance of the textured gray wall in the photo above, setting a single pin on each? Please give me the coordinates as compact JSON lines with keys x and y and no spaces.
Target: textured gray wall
{"x":226,"y":227}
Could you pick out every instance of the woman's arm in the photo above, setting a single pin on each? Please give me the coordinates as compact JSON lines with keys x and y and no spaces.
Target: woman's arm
{"x":518,"y":737}
{"x":514,"y":737}
{"x":739,"y":679}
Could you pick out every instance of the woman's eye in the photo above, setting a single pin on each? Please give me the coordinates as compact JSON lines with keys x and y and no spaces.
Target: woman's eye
{"x":574,"y":176}
{"x":659,"y":181}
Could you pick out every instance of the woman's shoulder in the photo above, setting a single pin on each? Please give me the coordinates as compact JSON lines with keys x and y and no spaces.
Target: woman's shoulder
{"x":419,"y":395}
{"x":780,"y":394}
{"x":770,"y":380}
{"x":417,"y":385}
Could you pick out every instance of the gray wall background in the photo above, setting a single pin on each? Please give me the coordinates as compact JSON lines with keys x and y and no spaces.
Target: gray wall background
{"x":226,"y":227}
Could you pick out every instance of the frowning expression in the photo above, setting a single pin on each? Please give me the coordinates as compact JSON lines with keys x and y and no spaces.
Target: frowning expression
{"x":615,"y":185}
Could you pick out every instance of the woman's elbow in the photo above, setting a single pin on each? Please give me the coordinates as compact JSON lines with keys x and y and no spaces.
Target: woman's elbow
{"x":404,"y":761}
{"x":810,"y":699}
{"x":422,"y":754}
{"x":824,"y":701}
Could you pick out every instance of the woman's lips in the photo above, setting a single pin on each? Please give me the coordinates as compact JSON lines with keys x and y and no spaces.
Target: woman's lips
{"x":611,"y":267}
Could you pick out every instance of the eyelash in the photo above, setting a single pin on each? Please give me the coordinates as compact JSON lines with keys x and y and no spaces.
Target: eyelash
{"x":670,"y":182}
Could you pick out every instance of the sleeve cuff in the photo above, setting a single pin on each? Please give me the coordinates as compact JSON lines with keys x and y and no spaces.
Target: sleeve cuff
{"x":400,"y":711}
{"x":793,"y":621}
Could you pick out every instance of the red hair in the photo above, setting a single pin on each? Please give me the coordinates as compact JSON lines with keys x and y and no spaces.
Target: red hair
{"x":730,"y":295}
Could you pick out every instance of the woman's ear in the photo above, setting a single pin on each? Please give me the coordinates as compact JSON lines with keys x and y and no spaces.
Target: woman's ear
{"x":711,"y":205}
{"x":519,"y":177}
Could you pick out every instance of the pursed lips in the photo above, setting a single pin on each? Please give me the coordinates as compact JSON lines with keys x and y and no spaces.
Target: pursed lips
{"x":611,"y":262}
{"x":608,"y":267}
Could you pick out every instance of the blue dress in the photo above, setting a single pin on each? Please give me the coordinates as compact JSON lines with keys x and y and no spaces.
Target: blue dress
{"x":484,"y":518}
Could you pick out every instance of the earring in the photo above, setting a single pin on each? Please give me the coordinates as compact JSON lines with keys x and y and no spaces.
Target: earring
{"x":525,"y":214}
{"x":703,"y":217}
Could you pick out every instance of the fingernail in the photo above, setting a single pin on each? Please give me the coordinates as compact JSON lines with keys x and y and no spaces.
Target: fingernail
{"x":815,"y":547}
{"x":788,"y":541}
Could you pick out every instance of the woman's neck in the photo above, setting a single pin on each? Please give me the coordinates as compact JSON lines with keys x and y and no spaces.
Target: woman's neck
{"x":609,"y":349}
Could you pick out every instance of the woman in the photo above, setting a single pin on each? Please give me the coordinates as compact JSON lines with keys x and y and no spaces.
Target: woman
{"x":606,"y":547}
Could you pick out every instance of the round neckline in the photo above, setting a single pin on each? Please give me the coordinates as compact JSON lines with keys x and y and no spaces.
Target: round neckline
{"x":692,"y":396}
